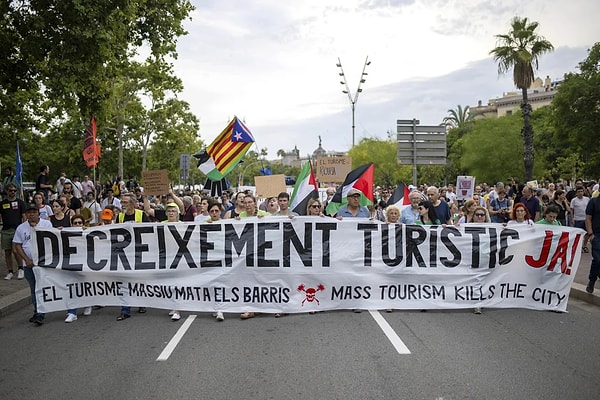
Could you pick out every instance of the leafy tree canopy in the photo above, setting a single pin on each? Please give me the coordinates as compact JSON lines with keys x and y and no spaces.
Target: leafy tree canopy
{"x":384,"y":154}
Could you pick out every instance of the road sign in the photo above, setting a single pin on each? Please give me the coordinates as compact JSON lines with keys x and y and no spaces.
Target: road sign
{"x":184,"y":166}
{"x":420,"y":145}
{"x":427,"y":129}
{"x":408,"y":122}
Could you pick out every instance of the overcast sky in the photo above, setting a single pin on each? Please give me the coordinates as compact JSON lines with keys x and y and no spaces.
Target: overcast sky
{"x":273,"y":63}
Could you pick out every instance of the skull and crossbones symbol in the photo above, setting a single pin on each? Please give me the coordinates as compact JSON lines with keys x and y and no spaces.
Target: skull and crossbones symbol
{"x":311,"y":293}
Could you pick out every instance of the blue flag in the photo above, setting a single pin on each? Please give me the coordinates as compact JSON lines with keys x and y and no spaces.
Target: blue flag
{"x":19,"y":168}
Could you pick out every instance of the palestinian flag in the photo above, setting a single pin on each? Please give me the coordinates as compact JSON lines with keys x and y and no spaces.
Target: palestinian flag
{"x":362,"y":179}
{"x":400,"y":196}
{"x":305,"y":189}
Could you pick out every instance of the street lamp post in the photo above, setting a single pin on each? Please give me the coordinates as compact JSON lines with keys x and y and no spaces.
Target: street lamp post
{"x":358,"y":90}
{"x":243,"y":174}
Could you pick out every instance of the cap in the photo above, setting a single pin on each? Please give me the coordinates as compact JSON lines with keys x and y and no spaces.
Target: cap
{"x":353,"y":192}
{"x":32,"y":206}
{"x":172,"y":205}
{"x":107,"y":214}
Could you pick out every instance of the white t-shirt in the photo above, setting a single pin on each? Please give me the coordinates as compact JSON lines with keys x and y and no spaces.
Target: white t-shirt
{"x":515,"y":222}
{"x":116,"y":202}
{"x":23,"y":234}
{"x":96,"y":208}
{"x":578,"y":205}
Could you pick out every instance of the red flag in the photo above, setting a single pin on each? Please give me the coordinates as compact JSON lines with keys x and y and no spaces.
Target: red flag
{"x":91,"y":149}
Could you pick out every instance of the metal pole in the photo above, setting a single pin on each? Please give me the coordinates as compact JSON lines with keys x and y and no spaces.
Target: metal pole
{"x":353,"y":108}
{"x":354,"y":100}
{"x":414,"y":125}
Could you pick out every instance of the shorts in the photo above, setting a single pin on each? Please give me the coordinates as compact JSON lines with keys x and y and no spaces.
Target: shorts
{"x":7,"y":238}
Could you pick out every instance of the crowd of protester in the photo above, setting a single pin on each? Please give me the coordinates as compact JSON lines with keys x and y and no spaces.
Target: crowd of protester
{"x":75,"y":203}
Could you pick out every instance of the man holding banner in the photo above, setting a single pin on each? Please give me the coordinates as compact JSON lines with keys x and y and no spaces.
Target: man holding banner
{"x":22,"y":247}
{"x":592,"y":226}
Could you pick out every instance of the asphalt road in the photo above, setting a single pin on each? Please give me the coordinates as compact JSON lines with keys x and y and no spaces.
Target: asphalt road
{"x":501,"y":354}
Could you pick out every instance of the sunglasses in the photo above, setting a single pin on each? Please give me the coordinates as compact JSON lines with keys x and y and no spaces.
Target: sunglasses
{"x":77,"y":223}
{"x":315,"y":206}
{"x":11,"y":191}
{"x":479,"y":215}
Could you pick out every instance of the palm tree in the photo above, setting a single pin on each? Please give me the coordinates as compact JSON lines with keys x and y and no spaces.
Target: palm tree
{"x":520,"y":50}
{"x":457,"y":117}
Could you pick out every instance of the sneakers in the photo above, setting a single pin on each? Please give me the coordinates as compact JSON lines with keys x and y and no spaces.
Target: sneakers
{"x":171,"y":313}
{"x":477,"y":310}
{"x":123,"y":317}
{"x":247,"y":315}
{"x":176,"y":316}
{"x":142,"y":310}
{"x":589,"y":288}
{"x":8,"y":276}
{"x":220,"y":316}
{"x":87,"y":311}
{"x":71,"y":318}
{"x":20,"y":274}
{"x":38,"y":320}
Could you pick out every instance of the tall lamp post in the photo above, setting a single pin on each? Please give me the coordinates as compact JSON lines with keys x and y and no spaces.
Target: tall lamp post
{"x":243,"y":174}
{"x":358,"y":90}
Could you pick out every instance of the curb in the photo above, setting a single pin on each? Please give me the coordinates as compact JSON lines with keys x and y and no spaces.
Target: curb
{"x":578,"y":292}
{"x":12,"y":302}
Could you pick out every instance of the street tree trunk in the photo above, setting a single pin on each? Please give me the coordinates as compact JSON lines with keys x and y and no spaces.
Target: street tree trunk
{"x":527,"y":134}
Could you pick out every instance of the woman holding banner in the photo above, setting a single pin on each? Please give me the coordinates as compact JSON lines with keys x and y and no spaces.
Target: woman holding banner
{"x":520,"y":215}
{"x":172,"y":211}
{"x":427,"y":215}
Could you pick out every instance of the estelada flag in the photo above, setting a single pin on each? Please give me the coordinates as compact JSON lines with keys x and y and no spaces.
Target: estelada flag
{"x":91,"y":149}
{"x":362,"y":179}
{"x":226,"y":151}
{"x":400,"y":196}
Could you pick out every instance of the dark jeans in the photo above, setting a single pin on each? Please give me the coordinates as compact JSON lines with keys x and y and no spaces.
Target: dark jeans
{"x":30,"y":276}
{"x":595,"y":267}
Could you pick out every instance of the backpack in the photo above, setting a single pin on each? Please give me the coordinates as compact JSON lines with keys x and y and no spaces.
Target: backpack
{"x":116,"y":190}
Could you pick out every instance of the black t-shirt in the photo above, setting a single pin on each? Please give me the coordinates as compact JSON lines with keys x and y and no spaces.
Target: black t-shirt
{"x":65,"y":222}
{"x":41,"y":180}
{"x":160,"y":215}
{"x":593,"y":209}
{"x":75,"y":203}
{"x":12,"y":213}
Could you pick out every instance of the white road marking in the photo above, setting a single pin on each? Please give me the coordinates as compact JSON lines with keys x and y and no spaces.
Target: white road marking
{"x":166,"y":353}
{"x":390,"y":333}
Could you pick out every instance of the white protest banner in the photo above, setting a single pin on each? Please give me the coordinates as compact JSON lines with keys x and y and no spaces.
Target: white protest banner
{"x":304,"y":264}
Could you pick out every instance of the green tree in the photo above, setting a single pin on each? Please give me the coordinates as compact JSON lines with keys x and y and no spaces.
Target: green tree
{"x":520,"y":51}
{"x":384,"y":154}
{"x":63,"y":60}
{"x":177,"y":130}
{"x":576,"y":112}
{"x":457,"y":117}
{"x":492,"y":150}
